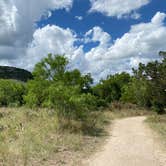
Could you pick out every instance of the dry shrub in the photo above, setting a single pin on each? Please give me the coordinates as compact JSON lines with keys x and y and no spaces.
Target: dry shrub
{"x":116,"y":105}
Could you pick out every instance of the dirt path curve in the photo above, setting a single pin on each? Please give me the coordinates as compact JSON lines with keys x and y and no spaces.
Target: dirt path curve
{"x":131,"y":143}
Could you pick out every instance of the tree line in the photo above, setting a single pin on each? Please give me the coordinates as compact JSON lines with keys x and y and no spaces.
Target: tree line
{"x":72,"y":94}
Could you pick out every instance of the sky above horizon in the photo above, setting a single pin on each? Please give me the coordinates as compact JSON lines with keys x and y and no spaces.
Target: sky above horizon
{"x":101,"y":37}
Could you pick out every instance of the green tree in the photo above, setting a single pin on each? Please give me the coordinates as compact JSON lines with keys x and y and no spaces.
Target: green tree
{"x":111,"y":88}
{"x":36,"y":92}
{"x":137,"y":92}
{"x":11,"y":93}
{"x":75,"y":78}
{"x":66,"y":91}
{"x":54,"y":68}
{"x":148,"y":88}
{"x":51,"y":68}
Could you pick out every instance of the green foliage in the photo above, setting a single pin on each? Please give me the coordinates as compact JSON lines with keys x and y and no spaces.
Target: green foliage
{"x":52,"y":67}
{"x":75,"y":78}
{"x":54,"y":87}
{"x":148,"y":88}
{"x":72,"y":95}
{"x":111,"y":88}
{"x":66,"y":100}
{"x":11,"y":93}
{"x":61,"y":97}
{"x":136,"y":92}
{"x":36,"y":92}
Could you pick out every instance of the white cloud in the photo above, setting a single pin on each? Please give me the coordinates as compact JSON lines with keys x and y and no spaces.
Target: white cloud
{"x":135,"y":15}
{"x":118,"y":8}
{"x":141,"y":44}
{"x":159,"y":18}
{"x":79,"y":18}
{"x":56,"y":40}
{"x":8,"y":14}
{"x":18,"y":17}
{"x":51,"y":39}
{"x":96,"y":34}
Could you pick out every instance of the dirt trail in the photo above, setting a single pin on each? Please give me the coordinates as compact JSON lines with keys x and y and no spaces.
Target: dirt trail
{"x":131,"y":143}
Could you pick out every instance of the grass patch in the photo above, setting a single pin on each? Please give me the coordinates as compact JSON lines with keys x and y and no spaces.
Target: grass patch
{"x":29,"y":137}
{"x":158,"y":123}
{"x":122,"y":110}
{"x":39,"y":137}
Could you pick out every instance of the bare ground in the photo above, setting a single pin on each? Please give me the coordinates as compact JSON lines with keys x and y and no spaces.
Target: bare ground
{"x":131,"y":143}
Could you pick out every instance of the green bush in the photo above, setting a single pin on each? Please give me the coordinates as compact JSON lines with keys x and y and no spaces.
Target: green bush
{"x":67,"y":92}
{"x":68,"y":101}
{"x":36,"y":93}
{"x":11,"y":93}
{"x":111,"y":89}
{"x":137,"y":92}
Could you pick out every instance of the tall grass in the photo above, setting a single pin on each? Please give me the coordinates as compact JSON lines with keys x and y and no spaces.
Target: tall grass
{"x":25,"y":135}
{"x":34,"y":137}
{"x":158,"y":123}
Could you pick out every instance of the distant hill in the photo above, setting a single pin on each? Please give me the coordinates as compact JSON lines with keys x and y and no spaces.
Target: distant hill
{"x":7,"y":72}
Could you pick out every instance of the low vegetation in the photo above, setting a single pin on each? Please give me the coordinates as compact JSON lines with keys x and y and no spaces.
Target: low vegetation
{"x":121,"y":110}
{"x":37,"y":137}
{"x":158,"y":123}
{"x":11,"y":93}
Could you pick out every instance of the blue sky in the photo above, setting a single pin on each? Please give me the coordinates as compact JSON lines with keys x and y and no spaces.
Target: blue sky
{"x":112,"y":25}
{"x":98,"y":36}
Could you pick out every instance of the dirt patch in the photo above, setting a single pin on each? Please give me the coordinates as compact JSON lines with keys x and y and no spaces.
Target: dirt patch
{"x":131,"y":143}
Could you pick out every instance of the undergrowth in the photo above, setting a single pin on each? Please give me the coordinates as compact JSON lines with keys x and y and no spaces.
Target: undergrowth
{"x":158,"y":123}
{"x":34,"y":137}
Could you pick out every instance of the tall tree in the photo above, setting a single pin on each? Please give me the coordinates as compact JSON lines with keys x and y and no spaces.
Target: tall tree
{"x":52,"y":68}
{"x":151,"y":79}
{"x":111,"y":88}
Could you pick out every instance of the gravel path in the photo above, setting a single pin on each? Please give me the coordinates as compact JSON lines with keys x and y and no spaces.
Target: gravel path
{"x":131,"y":143}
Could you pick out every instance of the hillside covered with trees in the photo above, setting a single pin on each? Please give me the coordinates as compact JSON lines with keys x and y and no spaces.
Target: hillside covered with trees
{"x":7,"y":72}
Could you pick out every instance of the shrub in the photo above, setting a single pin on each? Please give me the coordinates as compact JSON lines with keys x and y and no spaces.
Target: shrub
{"x":11,"y":93}
{"x":68,"y":101}
{"x":137,"y":92}
{"x":36,"y":93}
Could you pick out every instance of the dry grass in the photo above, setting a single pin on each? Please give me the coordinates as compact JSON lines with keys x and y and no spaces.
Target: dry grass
{"x":158,"y":123}
{"x":120,"y":110}
{"x":29,"y":137}
{"x":38,"y":137}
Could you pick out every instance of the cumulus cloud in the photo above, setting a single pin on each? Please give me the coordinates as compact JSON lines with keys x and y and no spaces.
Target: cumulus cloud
{"x":96,"y":34}
{"x":51,"y":39}
{"x":118,"y":8}
{"x":135,"y":15}
{"x":141,"y":44}
{"x":17,"y":21}
{"x":56,"y":40}
{"x":8,"y":14}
